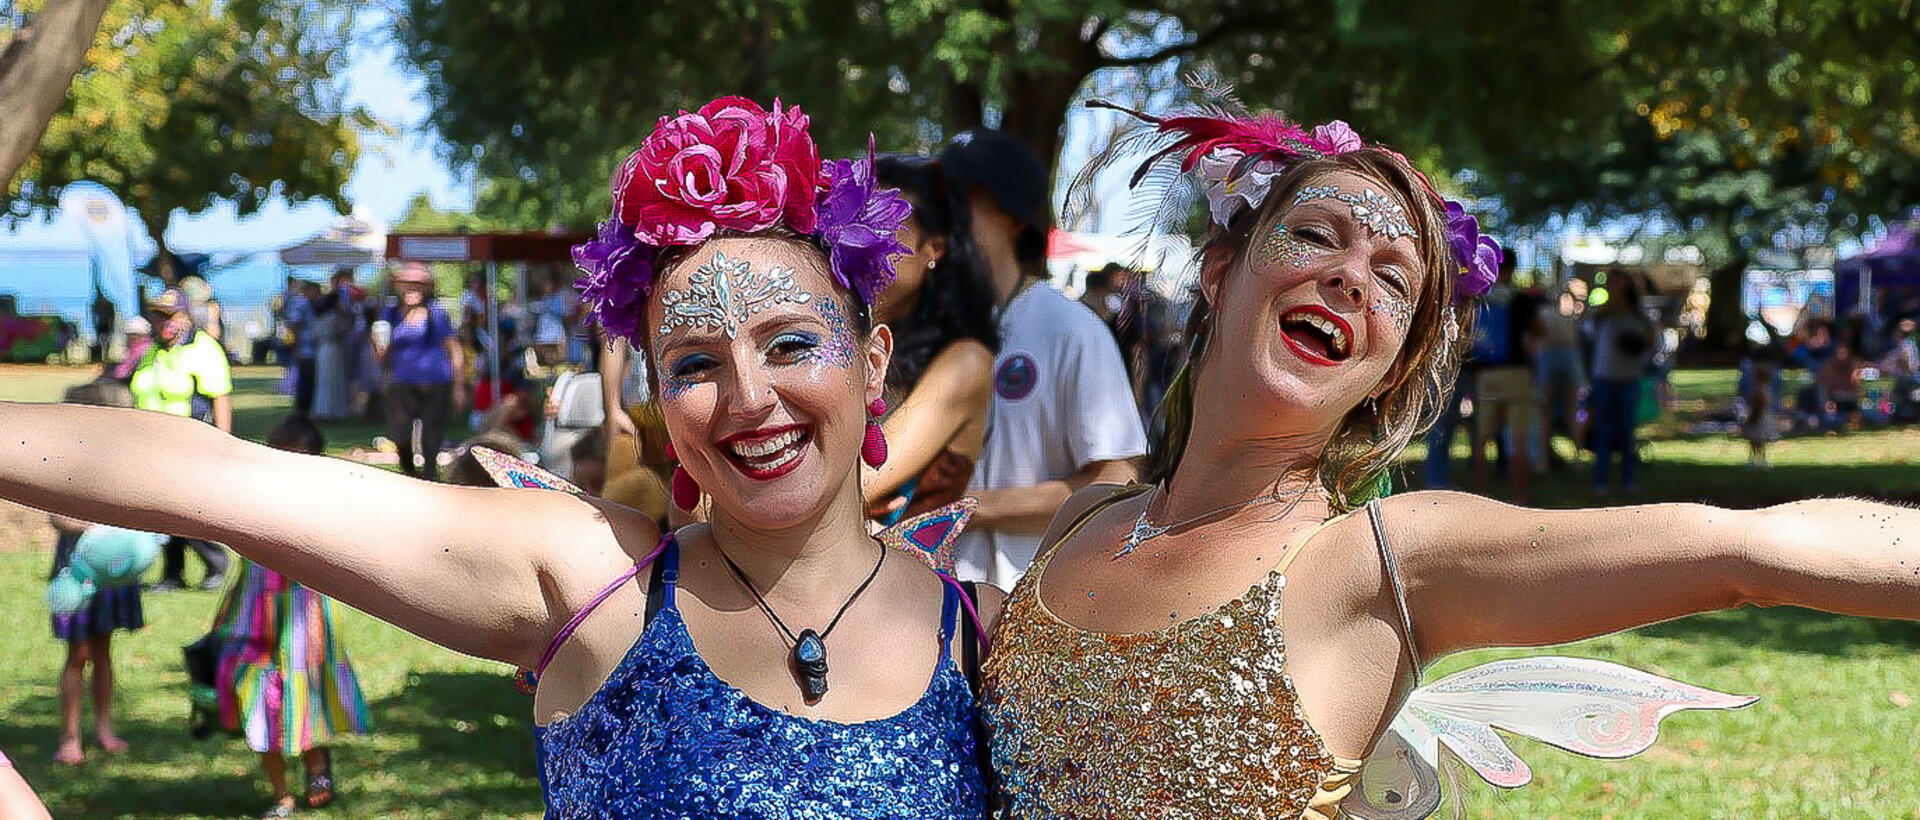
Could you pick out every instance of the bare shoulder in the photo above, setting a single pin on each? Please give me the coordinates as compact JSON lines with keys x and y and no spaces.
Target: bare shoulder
{"x":965,"y":355}
{"x":588,"y":542}
{"x":963,"y":368}
{"x":1078,"y":506}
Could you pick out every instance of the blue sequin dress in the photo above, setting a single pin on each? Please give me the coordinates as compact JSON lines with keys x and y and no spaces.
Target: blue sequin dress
{"x":666,"y":738}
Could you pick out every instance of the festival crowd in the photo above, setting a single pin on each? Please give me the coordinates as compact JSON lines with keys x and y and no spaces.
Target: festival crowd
{"x":851,"y":415}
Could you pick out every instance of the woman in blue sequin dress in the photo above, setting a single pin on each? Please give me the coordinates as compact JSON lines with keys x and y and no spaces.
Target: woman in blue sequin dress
{"x":774,"y":662}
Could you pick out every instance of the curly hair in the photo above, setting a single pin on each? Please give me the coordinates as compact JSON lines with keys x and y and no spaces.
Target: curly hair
{"x":1354,"y":463}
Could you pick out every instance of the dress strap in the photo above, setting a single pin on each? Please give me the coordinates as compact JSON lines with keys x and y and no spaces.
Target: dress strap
{"x":949,"y":615}
{"x":1299,"y":545}
{"x":580,"y":615}
{"x":1392,"y":567}
{"x":967,"y":598}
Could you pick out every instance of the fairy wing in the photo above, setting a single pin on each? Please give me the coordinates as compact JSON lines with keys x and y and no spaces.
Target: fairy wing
{"x":931,"y":535}
{"x":507,"y":471}
{"x":1586,"y":706}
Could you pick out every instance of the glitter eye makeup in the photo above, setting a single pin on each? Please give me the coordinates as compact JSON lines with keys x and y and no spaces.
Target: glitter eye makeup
{"x":1284,"y":247}
{"x":838,"y":348}
{"x":674,"y":385}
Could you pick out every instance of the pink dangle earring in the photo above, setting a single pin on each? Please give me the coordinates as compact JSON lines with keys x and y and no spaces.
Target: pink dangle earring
{"x":686,"y":494}
{"x":873,"y":451}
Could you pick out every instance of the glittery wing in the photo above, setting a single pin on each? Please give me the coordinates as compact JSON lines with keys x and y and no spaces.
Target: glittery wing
{"x":931,"y":534}
{"x":1585,"y":706}
{"x":507,"y":471}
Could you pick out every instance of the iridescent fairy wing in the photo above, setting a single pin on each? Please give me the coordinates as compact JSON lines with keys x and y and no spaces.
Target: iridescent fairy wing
{"x":507,"y":471}
{"x":1585,"y":706}
{"x":931,"y":534}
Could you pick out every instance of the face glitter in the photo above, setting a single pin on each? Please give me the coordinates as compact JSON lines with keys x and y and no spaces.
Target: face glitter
{"x":1377,"y":211}
{"x":838,"y":348}
{"x":723,"y":293}
{"x":675,"y":386}
{"x":1395,"y":308}
{"x":1284,"y":247}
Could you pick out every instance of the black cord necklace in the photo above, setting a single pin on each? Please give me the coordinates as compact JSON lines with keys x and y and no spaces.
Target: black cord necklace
{"x":809,"y":647}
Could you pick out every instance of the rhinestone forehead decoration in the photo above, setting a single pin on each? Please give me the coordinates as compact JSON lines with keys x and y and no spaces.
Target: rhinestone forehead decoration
{"x":723,"y":293}
{"x":1377,"y":211}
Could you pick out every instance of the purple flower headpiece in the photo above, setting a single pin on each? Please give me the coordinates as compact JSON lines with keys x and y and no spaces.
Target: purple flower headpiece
{"x":736,"y":166}
{"x":1238,"y":158}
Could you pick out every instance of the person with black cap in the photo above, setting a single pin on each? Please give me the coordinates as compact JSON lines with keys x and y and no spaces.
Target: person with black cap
{"x":1063,"y":412}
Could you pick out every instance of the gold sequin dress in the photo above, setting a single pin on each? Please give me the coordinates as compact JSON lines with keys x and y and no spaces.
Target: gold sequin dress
{"x":1194,"y":720}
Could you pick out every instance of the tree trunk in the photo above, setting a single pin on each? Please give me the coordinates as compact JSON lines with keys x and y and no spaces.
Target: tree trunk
{"x":1037,"y":99}
{"x":162,"y":255}
{"x":35,"y":70}
{"x":1726,"y":322}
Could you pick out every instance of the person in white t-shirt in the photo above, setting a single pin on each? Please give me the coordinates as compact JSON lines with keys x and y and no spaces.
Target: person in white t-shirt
{"x":1063,"y":414}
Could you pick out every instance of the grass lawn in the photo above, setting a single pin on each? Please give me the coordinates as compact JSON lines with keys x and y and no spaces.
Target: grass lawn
{"x":1836,"y":734}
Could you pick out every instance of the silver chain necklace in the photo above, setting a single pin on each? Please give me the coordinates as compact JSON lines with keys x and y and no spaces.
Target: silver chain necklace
{"x":1144,"y":530}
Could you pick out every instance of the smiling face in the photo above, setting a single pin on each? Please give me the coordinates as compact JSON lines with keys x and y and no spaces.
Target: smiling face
{"x":764,"y":377}
{"x":1322,"y":299}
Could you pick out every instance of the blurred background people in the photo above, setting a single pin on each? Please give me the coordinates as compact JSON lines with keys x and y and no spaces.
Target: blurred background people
{"x":1559,"y":376}
{"x":1063,"y":414}
{"x":88,"y":632}
{"x":1623,"y":347}
{"x":334,"y":319}
{"x":939,"y":382}
{"x":422,"y":354}
{"x":184,"y":363}
{"x":302,"y":299}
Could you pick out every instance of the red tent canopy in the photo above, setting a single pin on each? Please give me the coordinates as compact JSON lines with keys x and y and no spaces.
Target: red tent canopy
{"x":531,"y":246}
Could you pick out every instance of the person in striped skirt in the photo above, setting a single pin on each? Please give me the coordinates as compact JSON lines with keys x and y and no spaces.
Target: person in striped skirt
{"x":285,"y":683}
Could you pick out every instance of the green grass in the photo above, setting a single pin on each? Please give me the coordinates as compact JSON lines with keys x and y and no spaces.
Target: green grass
{"x":1836,"y":734}
{"x":450,"y":737}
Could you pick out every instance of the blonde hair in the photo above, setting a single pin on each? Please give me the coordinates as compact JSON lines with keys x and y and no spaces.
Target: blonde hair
{"x":1353,"y":466}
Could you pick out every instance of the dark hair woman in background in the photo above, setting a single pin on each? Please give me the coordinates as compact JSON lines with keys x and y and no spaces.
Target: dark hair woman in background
{"x":940,"y":308}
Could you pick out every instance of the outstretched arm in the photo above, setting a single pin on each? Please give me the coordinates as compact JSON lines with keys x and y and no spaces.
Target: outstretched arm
{"x":484,"y":571}
{"x":1482,"y":573}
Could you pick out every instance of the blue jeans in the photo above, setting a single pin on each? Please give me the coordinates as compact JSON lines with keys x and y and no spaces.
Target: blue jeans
{"x":1439,"y":461}
{"x":1611,"y":406}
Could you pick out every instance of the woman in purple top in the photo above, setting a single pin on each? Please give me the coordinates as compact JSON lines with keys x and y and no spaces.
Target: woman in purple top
{"x":423,"y":357}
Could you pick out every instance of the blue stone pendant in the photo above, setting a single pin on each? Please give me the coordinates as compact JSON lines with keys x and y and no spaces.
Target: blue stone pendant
{"x":810,"y":660}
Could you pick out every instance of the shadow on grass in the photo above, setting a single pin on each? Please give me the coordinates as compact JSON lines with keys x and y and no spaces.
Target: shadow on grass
{"x":1735,"y":633}
{"x":448,"y":744}
{"x":476,"y":718}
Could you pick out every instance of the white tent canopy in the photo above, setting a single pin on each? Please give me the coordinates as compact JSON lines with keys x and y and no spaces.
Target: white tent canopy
{"x":351,"y":241}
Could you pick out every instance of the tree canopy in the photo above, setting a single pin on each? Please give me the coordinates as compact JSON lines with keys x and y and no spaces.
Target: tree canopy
{"x":182,"y":103}
{"x":1729,"y":116}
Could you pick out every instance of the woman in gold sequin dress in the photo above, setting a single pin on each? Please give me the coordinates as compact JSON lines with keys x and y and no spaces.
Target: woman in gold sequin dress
{"x":1148,"y":664}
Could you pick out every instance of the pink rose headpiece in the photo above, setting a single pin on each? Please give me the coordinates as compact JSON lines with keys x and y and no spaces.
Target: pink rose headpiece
{"x":1237,"y":158}
{"x":735,"y":166}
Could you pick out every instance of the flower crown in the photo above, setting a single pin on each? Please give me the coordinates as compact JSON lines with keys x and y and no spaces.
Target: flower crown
{"x":735,"y":166}
{"x":1239,"y":156}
